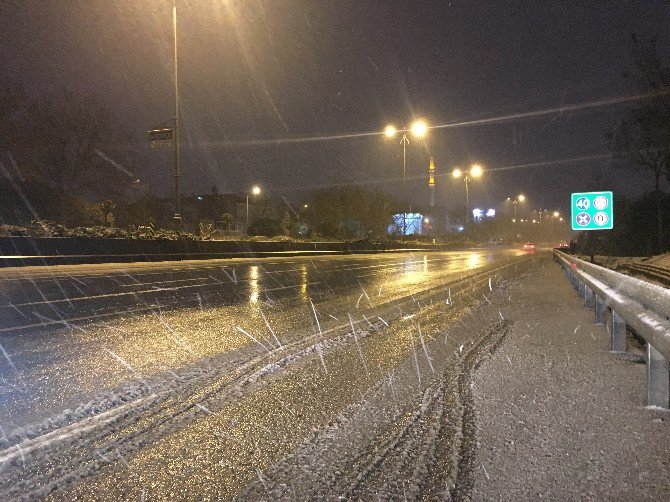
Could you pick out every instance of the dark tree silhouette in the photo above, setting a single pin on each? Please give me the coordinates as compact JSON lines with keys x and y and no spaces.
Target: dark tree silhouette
{"x":74,"y":145}
{"x":643,"y":134}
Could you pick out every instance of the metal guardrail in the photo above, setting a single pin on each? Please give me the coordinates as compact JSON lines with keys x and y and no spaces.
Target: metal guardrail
{"x":623,"y":302}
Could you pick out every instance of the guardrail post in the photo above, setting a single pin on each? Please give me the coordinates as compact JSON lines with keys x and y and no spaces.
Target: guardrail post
{"x":581,"y":287}
{"x":658,"y":381}
{"x":617,"y":331}
{"x":601,"y":308}
{"x":588,"y":297}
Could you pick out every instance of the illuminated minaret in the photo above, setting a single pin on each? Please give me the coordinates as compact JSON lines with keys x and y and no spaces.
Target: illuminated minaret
{"x":431,"y":182}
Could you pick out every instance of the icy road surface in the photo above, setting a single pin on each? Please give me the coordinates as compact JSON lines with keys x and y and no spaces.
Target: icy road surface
{"x":250,"y":379}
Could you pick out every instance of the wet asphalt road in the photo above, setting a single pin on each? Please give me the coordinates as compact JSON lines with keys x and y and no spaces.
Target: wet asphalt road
{"x":76,"y":335}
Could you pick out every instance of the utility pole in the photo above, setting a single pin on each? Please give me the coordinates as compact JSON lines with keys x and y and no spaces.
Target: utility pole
{"x":404,"y":142}
{"x":177,"y":172}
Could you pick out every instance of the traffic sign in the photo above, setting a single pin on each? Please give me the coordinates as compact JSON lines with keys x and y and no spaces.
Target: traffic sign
{"x":161,"y":138}
{"x":592,"y":211}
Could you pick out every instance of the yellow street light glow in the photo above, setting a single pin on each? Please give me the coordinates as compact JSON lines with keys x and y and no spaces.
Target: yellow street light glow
{"x":521,"y":197}
{"x":556,"y":214}
{"x":476,"y":171}
{"x":456,"y":173}
{"x":419,"y":128}
{"x":390,"y":131}
{"x":256,"y":190}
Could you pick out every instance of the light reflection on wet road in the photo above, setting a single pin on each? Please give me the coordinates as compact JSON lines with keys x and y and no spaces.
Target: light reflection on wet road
{"x":72,"y":332}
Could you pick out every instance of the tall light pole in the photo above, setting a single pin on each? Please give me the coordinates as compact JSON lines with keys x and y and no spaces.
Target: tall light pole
{"x":475,"y":171}
{"x":419,"y":129}
{"x":515,"y":201}
{"x":255,"y":190}
{"x":177,"y":172}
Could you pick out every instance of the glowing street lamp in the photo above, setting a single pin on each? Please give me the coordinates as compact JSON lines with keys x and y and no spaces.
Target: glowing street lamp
{"x":419,"y":129}
{"x":255,"y":190}
{"x":556,"y":214}
{"x":475,"y":171}
{"x":519,"y":198}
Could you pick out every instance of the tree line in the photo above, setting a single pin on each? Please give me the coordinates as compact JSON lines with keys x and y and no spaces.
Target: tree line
{"x":60,"y":153}
{"x":640,"y":140}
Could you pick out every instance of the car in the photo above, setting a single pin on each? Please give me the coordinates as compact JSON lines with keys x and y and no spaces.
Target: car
{"x":529,"y":245}
{"x":562,"y":245}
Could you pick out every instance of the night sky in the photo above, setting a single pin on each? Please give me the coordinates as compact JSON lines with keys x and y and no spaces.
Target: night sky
{"x":262,"y":80}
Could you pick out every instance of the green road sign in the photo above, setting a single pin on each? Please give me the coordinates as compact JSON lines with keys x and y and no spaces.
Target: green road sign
{"x":592,"y":211}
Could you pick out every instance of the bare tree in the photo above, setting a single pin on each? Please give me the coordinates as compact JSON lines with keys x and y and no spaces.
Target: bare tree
{"x":643,"y":135}
{"x":74,"y":145}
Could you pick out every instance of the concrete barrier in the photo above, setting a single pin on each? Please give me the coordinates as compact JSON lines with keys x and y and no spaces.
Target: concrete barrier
{"x":28,"y":251}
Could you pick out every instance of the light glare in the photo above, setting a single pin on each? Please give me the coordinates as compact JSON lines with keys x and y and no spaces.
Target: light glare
{"x":419,"y":128}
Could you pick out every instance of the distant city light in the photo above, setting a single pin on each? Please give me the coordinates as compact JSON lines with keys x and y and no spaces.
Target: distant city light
{"x":199,"y":197}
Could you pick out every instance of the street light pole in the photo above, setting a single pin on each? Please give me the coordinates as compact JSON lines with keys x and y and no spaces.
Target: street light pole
{"x":404,"y":142}
{"x":177,"y":173}
{"x":475,"y":171}
{"x":255,"y":190}
{"x":419,"y":129}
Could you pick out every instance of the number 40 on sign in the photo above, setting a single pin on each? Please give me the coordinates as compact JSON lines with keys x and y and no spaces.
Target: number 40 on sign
{"x":592,"y":211}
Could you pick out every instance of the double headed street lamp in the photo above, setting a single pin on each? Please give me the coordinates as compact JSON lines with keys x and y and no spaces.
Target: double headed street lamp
{"x":255,"y":190}
{"x":475,"y":171}
{"x":419,"y":129}
{"x":515,"y":201}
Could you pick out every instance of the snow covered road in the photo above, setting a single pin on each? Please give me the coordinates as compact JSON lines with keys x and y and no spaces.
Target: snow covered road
{"x":348,"y":374}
